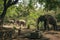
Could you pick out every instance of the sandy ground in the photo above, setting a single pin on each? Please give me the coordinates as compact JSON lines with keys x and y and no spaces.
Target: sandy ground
{"x":52,"y":35}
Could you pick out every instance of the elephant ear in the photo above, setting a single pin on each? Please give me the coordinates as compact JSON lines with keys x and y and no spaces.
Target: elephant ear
{"x":47,"y":17}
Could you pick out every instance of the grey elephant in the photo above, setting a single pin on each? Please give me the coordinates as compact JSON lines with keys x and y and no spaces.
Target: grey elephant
{"x":47,"y":19}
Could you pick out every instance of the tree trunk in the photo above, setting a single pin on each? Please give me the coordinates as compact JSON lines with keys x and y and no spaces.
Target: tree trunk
{"x":2,"y":16}
{"x":6,"y":6}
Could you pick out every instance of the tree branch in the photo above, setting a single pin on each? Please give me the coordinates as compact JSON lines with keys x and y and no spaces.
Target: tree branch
{"x":10,"y":3}
{"x":4,"y":8}
{"x":5,"y":2}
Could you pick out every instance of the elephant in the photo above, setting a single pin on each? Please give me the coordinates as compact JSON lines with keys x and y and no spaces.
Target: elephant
{"x":47,"y":19}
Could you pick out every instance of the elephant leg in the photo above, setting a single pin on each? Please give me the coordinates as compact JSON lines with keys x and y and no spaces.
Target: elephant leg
{"x":55,"y":27}
{"x":45,"y":25}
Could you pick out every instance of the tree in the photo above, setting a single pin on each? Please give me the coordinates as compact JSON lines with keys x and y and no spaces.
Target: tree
{"x":50,"y":5}
{"x":7,"y":4}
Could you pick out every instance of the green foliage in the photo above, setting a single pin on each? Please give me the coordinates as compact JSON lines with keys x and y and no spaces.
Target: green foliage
{"x":1,"y":1}
{"x":11,"y":13}
{"x":22,"y":11}
{"x":1,"y":6}
{"x":58,"y":17}
{"x":30,"y":4}
{"x":50,"y":4}
{"x":32,"y":17}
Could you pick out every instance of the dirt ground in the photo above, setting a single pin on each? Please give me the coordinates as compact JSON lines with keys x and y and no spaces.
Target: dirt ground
{"x":51,"y":35}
